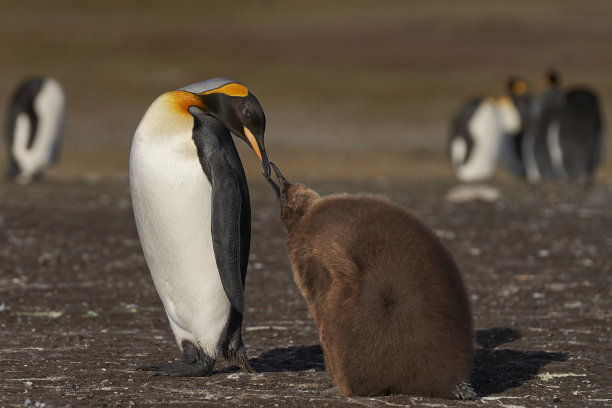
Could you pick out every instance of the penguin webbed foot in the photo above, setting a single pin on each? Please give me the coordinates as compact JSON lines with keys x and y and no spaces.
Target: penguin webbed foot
{"x":464,"y":391}
{"x":193,"y":363}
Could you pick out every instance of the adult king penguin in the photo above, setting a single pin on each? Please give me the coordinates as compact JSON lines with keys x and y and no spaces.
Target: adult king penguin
{"x":543,"y":108}
{"x":564,"y":140}
{"x":514,"y":116}
{"x":482,"y":128}
{"x":192,"y":211}
{"x":35,"y":122}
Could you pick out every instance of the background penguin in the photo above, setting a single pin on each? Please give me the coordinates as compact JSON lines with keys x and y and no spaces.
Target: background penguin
{"x":192,"y":211}
{"x":475,"y":141}
{"x":34,"y":128}
{"x":388,"y":300}
{"x":579,"y":135}
{"x":543,"y":109}
{"x":565,"y":136}
{"x":480,"y":129}
{"x":513,"y":110}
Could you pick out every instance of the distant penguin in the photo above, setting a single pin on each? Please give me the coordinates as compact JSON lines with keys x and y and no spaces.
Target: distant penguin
{"x":513,"y":109}
{"x":479,"y":131}
{"x":35,"y":123}
{"x":542,"y":111}
{"x":576,"y":142}
{"x":564,"y":140}
{"x":388,"y":299}
{"x":475,"y":140}
{"x":192,"y":211}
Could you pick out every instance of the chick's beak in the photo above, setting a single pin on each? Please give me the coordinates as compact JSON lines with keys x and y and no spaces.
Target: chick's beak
{"x":259,"y":150}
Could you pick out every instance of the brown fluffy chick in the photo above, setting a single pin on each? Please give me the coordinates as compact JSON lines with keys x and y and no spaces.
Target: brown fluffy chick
{"x":388,"y":300}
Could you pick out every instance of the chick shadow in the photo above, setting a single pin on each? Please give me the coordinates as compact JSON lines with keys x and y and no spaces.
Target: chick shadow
{"x":497,"y":370}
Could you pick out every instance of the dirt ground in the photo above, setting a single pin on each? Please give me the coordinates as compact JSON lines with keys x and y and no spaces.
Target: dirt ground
{"x":352,"y":90}
{"x":79,"y":311}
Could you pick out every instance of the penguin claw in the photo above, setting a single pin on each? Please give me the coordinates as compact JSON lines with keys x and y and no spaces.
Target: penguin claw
{"x":245,"y":367}
{"x":240,"y":359}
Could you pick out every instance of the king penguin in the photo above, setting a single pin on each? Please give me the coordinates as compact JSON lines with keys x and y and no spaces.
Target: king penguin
{"x":479,"y":131}
{"x":514,"y":113}
{"x":34,"y":128}
{"x":564,"y":140}
{"x":543,"y":108}
{"x":192,"y":212}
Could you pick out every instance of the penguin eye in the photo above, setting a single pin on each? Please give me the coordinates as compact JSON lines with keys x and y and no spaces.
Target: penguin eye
{"x":247,"y":114}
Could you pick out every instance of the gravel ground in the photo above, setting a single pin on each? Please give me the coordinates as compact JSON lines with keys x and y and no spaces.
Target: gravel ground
{"x":78,"y":310}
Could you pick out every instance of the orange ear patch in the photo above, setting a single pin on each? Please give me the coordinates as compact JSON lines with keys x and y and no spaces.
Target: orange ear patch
{"x":182,"y":100}
{"x":520,"y":88}
{"x":232,"y":89}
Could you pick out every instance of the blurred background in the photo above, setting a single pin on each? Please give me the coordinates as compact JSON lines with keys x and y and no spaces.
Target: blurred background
{"x":351,"y":89}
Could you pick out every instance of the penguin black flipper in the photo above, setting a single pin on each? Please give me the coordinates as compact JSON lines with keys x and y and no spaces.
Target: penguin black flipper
{"x":226,"y":222}
{"x":217,"y":153}
{"x":230,"y":236}
{"x":230,"y":224}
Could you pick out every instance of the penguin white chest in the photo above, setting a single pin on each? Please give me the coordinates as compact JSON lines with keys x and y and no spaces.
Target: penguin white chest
{"x":172,"y":206}
{"x":485,"y":129}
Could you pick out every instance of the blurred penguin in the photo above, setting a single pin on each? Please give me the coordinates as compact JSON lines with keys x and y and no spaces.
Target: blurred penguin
{"x":538,"y":164}
{"x":35,"y":123}
{"x":513,"y":110}
{"x":565,"y":137}
{"x":481,"y":129}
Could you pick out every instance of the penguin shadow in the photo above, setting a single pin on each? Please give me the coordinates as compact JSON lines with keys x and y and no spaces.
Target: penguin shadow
{"x":294,"y":358}
{"x":496,"y":370}
{"x":286,"y":359}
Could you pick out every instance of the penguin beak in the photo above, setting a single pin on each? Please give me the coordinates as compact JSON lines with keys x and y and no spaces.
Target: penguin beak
{"x":280,"y":197}
{"x":259,"y":149}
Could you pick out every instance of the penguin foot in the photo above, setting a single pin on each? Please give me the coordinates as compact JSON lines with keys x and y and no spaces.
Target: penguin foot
{"x":193,"y":363}
{"x":239,"y":357}
{"x":464,"y":391}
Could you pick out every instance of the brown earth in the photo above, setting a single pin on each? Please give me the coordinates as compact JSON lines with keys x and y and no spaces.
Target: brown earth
{"x":352,"y":90}
{"x":79,"y":311}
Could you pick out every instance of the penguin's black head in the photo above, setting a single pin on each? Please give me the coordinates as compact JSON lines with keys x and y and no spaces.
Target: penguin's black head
{"x":517,"y":87}
{"x":551,"y":79}
{"x":238,"y":110}
{"x":518,"y":90}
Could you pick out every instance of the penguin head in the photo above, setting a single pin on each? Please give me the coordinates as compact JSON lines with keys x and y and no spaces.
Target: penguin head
{"x":294,"y":198}
{"x":552,"y":79}
{"x":237,"y":109}
{"x":518,"y":91}
{"x":517,"y":87}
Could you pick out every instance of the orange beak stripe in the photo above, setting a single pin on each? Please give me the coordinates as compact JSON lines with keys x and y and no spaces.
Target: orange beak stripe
{"x":253,"y":142}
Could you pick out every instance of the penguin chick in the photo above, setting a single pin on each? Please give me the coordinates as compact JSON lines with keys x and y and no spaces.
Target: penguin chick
{"x":388,"y":300}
